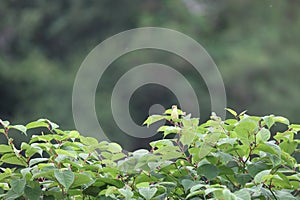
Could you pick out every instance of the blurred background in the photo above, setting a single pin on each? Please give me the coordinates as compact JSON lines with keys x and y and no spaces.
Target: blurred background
{"x":255,"y":44}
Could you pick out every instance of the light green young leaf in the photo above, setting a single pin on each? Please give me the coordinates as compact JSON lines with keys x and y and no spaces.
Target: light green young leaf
{"x":66,"y":152}
{"x":5,"y":148}
{"x":89,"y":141}
{"x":228,"y":195}
{"x":187,"y":136}
{"x":288,"y":146}
{"x":147,"y":193}
{"x":153,"y":118}
{"x":263,"y":135}
{"x":245,"y":131}
{"x":4,"y":123}
{"x":161,"y":143}
{"x":169,"y":111}
{"x":36,"y":124}
{"x":282,"y":120}
{"x":259,"y":177}
{"x":295,"y":127}
{"x":231,"y":112}
{"x":210,"y":141}
{"x":269,"y":120}
{"x":11,"y":158}
{"x":127,"y":193}
{"x":52,"y":124}
{"x":243,"y":194}
{"x":20,"y":128}
{"x":168,"y":130}
{"x":37,"y":160}
{"x":114,"y":147}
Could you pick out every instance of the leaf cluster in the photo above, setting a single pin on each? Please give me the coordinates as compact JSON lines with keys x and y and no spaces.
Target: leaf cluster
{"x":233,"y":159}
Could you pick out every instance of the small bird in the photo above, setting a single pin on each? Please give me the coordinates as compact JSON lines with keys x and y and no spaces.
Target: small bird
{"x":174,"y":113}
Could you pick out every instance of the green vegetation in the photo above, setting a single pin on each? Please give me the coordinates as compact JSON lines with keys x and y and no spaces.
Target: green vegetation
{"x":232,"y":159}
{"x":255,"y":45}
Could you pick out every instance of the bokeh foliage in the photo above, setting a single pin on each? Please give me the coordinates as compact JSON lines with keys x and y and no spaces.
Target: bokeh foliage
{"x":255,"y":45}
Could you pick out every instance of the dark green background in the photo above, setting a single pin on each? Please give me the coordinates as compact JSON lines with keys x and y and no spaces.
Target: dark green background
{"x":255,"y":44}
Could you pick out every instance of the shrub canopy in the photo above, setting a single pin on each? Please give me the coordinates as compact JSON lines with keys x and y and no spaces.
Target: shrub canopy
{"x":233,"y":159}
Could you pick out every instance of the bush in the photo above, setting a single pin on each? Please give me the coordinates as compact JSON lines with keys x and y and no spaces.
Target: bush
{"x":231,"y":159}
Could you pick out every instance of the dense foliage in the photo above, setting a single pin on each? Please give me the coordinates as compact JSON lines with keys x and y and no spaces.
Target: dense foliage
{"x":231,"y":159}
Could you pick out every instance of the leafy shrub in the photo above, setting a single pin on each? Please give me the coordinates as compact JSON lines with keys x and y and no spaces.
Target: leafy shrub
{"x":231,"y":159}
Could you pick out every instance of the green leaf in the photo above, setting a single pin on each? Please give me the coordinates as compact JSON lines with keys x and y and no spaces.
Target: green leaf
{"x":169,"y":111}
{"x":152,"y":119}
{"x":190,"y":122}
{"x":245,"y":130}
{"x":71,"y":154}
{"x":243,"y":178}
{"x":263,"y":135}
{"x":11,"y":158}
{"x":285,"y":136}
{"x":11,"y":195}
{"x":118,"y":156}
{"x":33,"y":191}
{"x":195,"y":193}
{"x":73,"y":134}
{"x":231,"y":112}
{"x":161,"y":143}
{"x":127,"y":193}
{"x":204,"y":150}
{"x":188,"y":184}
{"x":18,"y":185}
{"x":114,"y":148}
{"x":208,"y":170}
{"x":255,"y":168}
{"x":30,"y":150}
{"x":282,"y":120}
{"x":281,"y":194}
{"x":89,"y":141}
{"x":36,"y":124}
{"x":51,"y":124}
{"x":265,"y":147}
{"x":295,"y":127}
{"x":147,"y":193}
{"x":243,"y":194}
{"x":228,"y":195}
{"x":37,"y":160}
{"x":64,"y":177}
{"x":5,"y":124}
{"x":243,"y":113}
{"x":144,"y":178}
{"x":7,"y":173}
{"x":187,"y":136}
{"x":168,"y":130}
{"x":109,"y":181}
{"x":288,"y":146}
{"x":5,"y":148}
{"x":81,"y":179}
{"x":225,"y":170}
{"x":259,"y":177}
{"x":269,"y":120}
{"x":210,"y":140}
{"x":20,"y":128}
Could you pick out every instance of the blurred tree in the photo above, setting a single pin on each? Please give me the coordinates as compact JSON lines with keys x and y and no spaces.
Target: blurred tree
{"x":42,"y":43}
